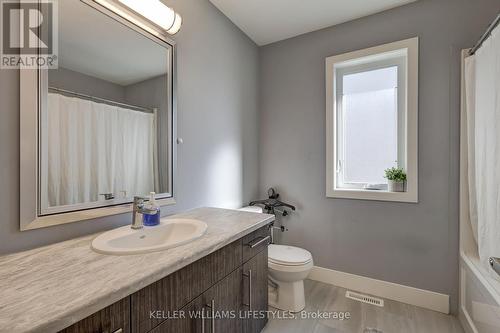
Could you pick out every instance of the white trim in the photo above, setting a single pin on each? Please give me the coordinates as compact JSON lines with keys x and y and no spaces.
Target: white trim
{"x":38,"y":222}
{"x":473,"y":263}
{"x":419,"y":297}
{"x":410,"y":46}
{"x":346,"y":193}
{"x":397,"y":60}
{"x":28,"y":146}
{"x":466,"y":321}
{"x":473,"y":277}
{"x":463,"y":315}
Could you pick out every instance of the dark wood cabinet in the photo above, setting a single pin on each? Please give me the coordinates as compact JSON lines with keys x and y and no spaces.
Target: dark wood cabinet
{"x":223,"y":292}
{"x":216,"y":310}
{"x":113,"y":319}
{"x":190,"y":319}
{"x":178,"y":289}
{"x":255,"y":295}
{"x":223,"y":304}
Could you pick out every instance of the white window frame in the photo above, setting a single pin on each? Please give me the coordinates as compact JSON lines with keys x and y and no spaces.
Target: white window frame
{"x":403,"y":54}
{"x":399,"y":61}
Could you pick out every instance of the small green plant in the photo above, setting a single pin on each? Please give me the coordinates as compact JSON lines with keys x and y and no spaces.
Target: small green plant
{"x":395,"y":174}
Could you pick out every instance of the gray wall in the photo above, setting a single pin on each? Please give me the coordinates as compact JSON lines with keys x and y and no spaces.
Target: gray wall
{"x":151,"y":94}
{"x":68,"y":79}
{"x":410,"y":244}
{"x":217,"y":117}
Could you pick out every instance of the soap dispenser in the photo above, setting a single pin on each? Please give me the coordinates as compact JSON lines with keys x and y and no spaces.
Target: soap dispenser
{"x":152,"y":219}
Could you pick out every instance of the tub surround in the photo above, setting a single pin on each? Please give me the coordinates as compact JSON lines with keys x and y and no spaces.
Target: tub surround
{"x":49,"y":288}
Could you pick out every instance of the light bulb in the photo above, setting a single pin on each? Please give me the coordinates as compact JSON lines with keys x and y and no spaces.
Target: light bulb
{"x":156,"y":12}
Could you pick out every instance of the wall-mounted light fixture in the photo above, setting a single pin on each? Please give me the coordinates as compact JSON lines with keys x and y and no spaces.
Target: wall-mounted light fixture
{"x":153,"y":10}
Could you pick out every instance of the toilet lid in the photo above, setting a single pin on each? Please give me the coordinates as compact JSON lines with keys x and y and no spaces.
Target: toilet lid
{"x":288,"y":255}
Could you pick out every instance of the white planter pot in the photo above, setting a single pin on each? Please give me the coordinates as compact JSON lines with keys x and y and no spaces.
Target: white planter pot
{"x":394,"y":186}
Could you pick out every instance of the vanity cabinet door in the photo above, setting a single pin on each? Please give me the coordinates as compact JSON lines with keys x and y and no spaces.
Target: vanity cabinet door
{"x":113,"y":319}
{"x":222,"y":304}
{"x":189,"y":320}
{"x":255,"y":293}
{"x":178,"y":289}
{"x":216,"y":311}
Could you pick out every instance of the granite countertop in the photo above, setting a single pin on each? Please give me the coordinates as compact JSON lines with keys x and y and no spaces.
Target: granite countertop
{"x":49,"y":288}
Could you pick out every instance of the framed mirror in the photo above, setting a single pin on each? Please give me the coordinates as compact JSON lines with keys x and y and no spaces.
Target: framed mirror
{"x":98,"y":130}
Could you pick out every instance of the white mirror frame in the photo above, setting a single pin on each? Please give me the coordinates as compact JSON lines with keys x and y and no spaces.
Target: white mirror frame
{"x":30,"y":103}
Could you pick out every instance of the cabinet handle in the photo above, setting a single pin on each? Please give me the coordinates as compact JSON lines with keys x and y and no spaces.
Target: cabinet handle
{"x":255,"y":242}
{"x":120,"y":330}
{"x":249,"y":276}
{"x":212,"y":307}
{"x":203,"y":320}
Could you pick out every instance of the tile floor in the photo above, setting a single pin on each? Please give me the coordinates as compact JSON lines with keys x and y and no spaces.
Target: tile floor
{"x":394,"y":317}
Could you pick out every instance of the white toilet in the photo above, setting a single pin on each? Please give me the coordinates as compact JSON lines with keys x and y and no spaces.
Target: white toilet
{"x":288,"y":266}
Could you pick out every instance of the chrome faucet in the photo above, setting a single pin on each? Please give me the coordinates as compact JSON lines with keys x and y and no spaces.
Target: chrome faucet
{"x":138,"y":211}
{"x":495,"y":264}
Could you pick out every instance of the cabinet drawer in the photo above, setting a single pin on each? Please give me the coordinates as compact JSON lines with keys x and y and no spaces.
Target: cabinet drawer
{"x":114,"y":318}
{"x":256,"y":242}
{"x":178,"y":289}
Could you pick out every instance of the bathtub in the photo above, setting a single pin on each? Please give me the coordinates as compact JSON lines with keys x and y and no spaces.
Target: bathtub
{"x":479,"y":292}
{"x":479,"y":307}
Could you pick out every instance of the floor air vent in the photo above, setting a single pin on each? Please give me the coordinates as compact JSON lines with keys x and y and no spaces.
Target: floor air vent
{"x":372,"y":330}
{"x":364,"y":298}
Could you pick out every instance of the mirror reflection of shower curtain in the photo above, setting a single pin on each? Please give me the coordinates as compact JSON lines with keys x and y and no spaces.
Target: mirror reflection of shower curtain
{"x":95,"y":148}
{"x":482,"y":84}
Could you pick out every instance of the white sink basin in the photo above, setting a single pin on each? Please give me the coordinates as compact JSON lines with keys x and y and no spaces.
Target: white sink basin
{"x":168,"y":234}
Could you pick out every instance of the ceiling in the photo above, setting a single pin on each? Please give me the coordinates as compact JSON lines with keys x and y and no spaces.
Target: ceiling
{"x":269,"y":21}
{"x":96,"y":45}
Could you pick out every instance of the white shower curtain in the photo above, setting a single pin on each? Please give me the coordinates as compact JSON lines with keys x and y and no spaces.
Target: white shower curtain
{"x":482,"y":84}
{"x":95,"y":148}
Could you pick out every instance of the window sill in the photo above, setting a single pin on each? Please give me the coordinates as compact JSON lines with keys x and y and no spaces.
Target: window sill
{"x":376,"y":195}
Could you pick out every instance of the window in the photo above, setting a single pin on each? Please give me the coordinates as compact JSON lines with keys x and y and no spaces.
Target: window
{"x":372,"y":121}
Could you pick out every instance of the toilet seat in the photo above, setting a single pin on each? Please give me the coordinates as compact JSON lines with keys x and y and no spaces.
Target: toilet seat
{"x":288,"y":255}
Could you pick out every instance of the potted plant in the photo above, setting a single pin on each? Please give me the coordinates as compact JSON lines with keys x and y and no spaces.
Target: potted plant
{"x":396,"y":179}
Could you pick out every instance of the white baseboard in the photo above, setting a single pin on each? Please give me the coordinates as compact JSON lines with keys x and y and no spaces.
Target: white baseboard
{"x":396,"y":292}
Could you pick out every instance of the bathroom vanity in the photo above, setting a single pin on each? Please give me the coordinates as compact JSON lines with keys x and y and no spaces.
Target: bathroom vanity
{"x":232,"y":280}
{"x":222,"y":274}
